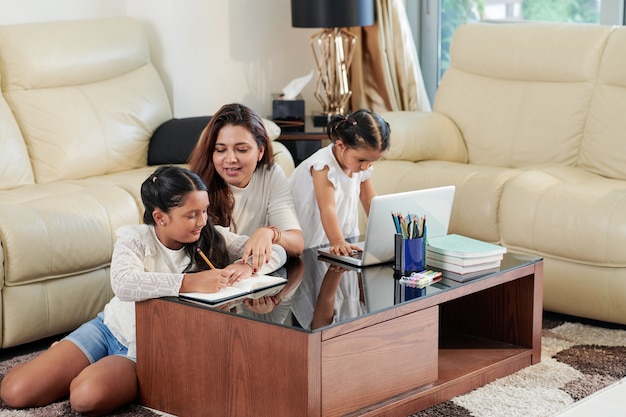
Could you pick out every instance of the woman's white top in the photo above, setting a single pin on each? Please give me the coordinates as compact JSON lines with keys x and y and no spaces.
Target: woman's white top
{"x":265,"y":201}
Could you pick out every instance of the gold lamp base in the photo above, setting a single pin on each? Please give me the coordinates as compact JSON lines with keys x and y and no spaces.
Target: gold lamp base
{"x":333,"y":49}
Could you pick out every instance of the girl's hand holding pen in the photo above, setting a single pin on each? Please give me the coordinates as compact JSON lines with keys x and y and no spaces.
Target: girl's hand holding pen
{"x":209,"y":281}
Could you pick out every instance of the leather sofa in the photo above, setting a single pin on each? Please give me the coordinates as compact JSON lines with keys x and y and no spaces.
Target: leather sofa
{"x":528,"y":124}
{"x":80,"y":102}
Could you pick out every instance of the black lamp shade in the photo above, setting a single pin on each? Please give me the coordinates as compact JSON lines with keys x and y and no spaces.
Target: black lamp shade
{"x":331,"y":13}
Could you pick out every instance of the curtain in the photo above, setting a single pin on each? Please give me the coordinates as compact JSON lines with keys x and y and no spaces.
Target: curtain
{"x":385,"y":73}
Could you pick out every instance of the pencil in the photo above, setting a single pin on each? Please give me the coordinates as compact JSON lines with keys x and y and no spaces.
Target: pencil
{"x":205,"y":258}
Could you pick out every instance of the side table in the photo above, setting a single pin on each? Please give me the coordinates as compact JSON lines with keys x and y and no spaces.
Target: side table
{"x":302,"y":140}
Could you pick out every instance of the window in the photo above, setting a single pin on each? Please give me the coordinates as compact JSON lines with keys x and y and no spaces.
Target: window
{"x":434,"y":22}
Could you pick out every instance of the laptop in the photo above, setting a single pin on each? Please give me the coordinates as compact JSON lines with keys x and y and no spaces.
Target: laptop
{"x":375,"y":287}
{"x":378,"y":246}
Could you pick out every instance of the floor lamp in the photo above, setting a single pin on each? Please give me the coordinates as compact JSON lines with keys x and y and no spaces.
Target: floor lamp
{"x":333,"y":46}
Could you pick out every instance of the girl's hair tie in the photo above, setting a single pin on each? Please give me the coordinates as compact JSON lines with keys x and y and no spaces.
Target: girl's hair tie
{"x":154,"y":178}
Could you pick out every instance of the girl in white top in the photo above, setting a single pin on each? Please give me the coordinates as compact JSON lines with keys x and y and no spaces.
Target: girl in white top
{"x":248,"y":191}
{"x":95,"y":364}
{"x":328,"y":186}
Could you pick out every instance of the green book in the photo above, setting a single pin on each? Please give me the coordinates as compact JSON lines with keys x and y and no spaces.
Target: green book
{"x":463,"y":246}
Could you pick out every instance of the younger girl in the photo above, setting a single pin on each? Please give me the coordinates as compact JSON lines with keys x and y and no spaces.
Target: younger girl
{"x":339,"y":174}
{"x":95,"y":364}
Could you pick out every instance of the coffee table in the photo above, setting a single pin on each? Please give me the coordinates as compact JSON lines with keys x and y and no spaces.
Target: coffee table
{"x":384,"y":350}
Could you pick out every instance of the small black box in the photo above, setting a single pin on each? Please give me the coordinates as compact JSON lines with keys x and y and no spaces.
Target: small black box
{"x":289,"y":114}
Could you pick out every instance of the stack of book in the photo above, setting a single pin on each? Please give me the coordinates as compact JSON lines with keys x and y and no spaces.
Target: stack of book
{"x":462,"y":258}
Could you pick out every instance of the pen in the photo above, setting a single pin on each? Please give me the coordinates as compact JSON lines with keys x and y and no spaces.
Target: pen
{"x":205,"y":258}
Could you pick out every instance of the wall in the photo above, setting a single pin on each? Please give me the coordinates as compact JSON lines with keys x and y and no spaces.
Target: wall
{"x":208,"y":52}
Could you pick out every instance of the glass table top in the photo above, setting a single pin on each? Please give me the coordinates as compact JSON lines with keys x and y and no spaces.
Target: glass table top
{"x":320,"y":292}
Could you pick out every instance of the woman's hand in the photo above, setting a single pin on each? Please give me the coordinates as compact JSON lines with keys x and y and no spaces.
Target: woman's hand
{"x":258,"y":249}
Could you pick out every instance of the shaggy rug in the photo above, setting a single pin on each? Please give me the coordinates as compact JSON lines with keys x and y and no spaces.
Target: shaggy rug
{"x":577,"y":360}
{"x":60,"y":408}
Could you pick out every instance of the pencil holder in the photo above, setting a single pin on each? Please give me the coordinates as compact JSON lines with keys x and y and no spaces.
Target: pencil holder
{"x":409,"y":254}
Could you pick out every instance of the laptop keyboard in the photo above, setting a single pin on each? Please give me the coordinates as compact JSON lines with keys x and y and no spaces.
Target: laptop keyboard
{"x":356,"y":254}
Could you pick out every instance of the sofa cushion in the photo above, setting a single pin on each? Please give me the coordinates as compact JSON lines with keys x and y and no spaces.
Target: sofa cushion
{"x":60,"y":229}
{"x":566,"y":213}
{"x":102,"y":76}
{"x":174,"y":140}
{"x":477,"y":195}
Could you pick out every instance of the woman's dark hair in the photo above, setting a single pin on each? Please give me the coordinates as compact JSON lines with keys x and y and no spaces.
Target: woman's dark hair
{"x":201,"y":158}
{"x":361,"y":128}
{"x":168,"y":187}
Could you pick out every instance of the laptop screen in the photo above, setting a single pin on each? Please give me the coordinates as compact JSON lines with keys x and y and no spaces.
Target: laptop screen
{"x":433,"y":203}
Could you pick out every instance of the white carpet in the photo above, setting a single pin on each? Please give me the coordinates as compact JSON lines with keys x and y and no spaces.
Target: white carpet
{"x":577,"y":361}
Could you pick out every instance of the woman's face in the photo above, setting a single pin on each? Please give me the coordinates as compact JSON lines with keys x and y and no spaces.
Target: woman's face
{"x":236,"y":155}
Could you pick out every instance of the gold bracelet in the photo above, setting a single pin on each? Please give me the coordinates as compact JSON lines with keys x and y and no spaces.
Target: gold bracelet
{"x":277,"y":233}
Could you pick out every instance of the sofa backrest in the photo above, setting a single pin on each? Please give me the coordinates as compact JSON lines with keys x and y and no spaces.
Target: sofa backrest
{"x":603,"y":149}
{"x":85,"y":95}
{"x":520,"y":93}
{"x":15,"y":168}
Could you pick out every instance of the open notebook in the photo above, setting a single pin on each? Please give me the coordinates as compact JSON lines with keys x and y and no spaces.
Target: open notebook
{"x":378,"y":246}
{"x":254,"y":286}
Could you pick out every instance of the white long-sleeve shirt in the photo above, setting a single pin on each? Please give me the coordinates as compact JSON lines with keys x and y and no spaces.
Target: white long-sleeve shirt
{"x":143,"y":268}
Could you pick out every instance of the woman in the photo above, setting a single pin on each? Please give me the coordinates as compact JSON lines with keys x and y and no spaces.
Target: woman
{"x":248,"y":191}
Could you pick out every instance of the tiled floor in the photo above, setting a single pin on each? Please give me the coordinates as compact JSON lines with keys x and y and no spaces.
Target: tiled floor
{"x":606,"y":403}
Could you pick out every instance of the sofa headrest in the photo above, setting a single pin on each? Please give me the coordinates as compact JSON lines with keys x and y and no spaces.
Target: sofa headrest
{"x":84,"y":93}
{"x":520,"y":92}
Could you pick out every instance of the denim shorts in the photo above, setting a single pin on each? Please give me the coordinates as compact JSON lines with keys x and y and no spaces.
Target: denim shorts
{"x":96,"y":340}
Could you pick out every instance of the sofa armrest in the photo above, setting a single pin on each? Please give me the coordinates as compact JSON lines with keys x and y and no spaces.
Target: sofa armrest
{"x":173,"y":141}
{"x":418,"y":136}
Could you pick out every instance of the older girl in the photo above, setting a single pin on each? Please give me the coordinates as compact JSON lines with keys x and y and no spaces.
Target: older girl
{"x":95,"y":364}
